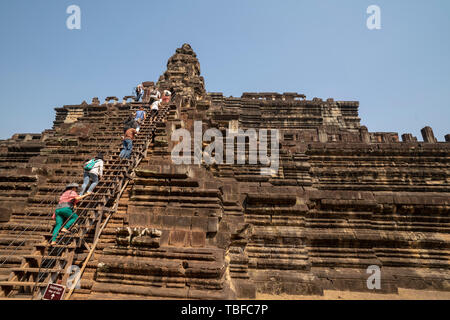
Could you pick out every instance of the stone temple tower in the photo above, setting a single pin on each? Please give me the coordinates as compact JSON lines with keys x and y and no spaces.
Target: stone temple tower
{"x":342,"y":199}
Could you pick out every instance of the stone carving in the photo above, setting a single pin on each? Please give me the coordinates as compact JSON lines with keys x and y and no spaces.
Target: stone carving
{"x":138,"y":237}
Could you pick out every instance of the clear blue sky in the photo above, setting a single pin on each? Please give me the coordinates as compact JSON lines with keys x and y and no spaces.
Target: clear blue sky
{"x":322,"y":48}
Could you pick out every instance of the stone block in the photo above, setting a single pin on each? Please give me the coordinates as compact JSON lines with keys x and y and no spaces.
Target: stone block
{"x":148,"y":84}
{"x":146,"y":241}
{"x":183,"y":223}
{"x":408,"y":137}
{"x":5,"y":214}
{"x":169,"y":221}
{"x":322,"y":135}
{"x":198,"y":239}
{"x":164,"y":240}
{"x":199,"y":224}
{"x":245,"y":289}
{"x":177,"y":211}
{"x":178,"y":238}
{"x":155,"y":220}
{"x":138,"y":219}
{"x":213,"y":224}
{"x":428,"y":135}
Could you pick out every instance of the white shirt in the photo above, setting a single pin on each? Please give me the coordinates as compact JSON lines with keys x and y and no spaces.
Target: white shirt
{"x":155,"y":105}
{"x":98,"y":167}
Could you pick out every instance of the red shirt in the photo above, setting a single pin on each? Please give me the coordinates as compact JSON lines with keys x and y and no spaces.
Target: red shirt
{"x":68,"y":196}
{"x":129,"y":134}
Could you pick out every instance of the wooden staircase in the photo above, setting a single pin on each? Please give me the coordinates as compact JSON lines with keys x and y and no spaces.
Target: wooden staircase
{"x":46,"y":263}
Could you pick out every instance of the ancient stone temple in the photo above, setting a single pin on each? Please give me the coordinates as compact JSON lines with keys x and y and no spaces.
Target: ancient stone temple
{"x":342,"y":199}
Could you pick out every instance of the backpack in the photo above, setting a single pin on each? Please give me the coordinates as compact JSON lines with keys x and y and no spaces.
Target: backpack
{"x":90,"y":165}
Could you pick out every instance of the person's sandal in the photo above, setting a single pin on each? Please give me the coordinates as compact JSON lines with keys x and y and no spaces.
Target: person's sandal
{"x":65,"y":231}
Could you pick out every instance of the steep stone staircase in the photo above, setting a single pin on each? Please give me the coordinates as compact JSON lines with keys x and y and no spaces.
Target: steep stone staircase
{"x":42,"y":263}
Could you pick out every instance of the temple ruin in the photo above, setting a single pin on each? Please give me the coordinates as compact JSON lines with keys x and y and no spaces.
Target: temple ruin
{"x":343,"y":199}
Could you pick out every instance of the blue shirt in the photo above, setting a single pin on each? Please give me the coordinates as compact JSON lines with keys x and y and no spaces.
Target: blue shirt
{"x":140,"y":114}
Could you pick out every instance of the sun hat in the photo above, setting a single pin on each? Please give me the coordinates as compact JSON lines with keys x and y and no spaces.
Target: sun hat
{"x":72,"y":185}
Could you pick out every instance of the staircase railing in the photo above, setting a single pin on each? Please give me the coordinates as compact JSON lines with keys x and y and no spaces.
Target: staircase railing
{"x":87,"y":221}
{"x":92,"y":211}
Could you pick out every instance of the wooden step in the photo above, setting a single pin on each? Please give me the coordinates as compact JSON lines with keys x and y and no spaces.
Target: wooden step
{"x":22,"y":284}
{"x":36,"y":270}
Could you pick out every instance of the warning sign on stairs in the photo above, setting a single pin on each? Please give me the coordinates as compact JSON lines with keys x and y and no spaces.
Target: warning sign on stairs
{"x":54,"y":292}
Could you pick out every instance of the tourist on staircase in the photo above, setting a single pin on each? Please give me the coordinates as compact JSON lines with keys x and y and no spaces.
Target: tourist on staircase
{"x":154,"y":109}
{"x":64,"y":210}
{"x":154,"y":95}
{"x":141,"y":115}
{"x":128,"y":143}
{"x":129,"y":123}
{"x":93,"y":171}
{"x":166,"y":96}
{"x":139,"y":92}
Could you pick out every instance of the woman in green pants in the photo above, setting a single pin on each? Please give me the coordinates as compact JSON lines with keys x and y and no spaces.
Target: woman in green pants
{"x":64,"y":210}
